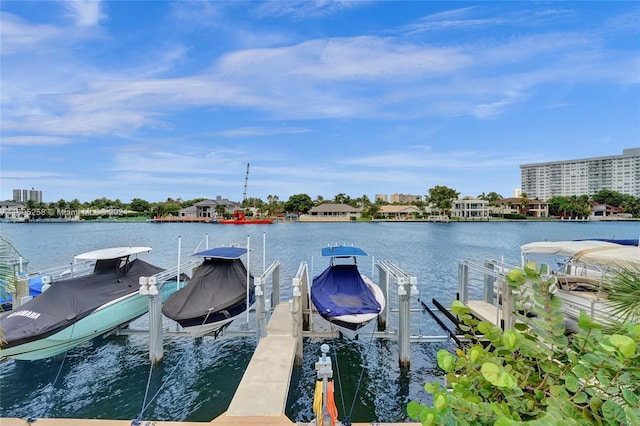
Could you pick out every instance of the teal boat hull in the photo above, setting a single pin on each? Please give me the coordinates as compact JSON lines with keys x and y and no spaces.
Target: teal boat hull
{"x":104,"y":319}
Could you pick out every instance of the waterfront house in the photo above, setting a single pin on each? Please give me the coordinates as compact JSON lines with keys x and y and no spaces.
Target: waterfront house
{"x":509,"y":206}
{"x":206,"y":208}
{"x":330,"y":212}
{"x":10,"y":210}
{"x":470,"y":208}
{"x":399,"y":212}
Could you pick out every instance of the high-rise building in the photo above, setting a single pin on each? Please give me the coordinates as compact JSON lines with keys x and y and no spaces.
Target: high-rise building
{"x":620,"y":173}
{"x":24,"y":195}
{"x":405,"y":198}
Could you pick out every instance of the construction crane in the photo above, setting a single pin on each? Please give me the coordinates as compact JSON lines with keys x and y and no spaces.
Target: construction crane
{"x":246,"y":181}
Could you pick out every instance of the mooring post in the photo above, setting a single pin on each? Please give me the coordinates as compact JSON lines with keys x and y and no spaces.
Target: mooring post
{"x":261,"y":318}
{"x":324,"y":372}
{"x":20,"y":295}
{"x":490,"y":290}
{"x":296,"y":312}
{"x":508,"y":305}
{"x":156,"y":350}
{"x":404,"y":308}
{"x":383,"y":278}
{"x":275,"y":288}
{"x":463,"y":282}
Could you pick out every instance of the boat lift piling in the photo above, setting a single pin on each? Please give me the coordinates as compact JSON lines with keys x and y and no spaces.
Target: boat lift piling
{"x":407,"y":286}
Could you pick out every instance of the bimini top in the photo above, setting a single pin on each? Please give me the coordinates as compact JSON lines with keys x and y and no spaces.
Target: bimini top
{"x":565,"y":248}
{"x":342,"y":251}
{"x":112,"y":253}
{"x":223,"y":253}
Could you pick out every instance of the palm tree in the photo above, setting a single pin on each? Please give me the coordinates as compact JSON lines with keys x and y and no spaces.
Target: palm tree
{"x":624,"y":295}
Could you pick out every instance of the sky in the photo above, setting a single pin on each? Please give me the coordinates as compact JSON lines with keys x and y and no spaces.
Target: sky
{"x":158,"y":100}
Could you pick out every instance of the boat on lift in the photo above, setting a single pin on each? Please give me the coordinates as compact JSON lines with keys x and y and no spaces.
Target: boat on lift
{"x":346,"y":298}
{"x":75,"y":310}
{"x":220,"y":290}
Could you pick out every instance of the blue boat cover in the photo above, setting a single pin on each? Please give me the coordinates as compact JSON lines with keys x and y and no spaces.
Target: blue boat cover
{"x":340,"y":251}
{"x":223,"y":252}
{"x":624,"y":242}
{"x":340,"y":290}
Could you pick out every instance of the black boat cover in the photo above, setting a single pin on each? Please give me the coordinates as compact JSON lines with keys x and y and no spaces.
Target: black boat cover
{"x":215,"y":285}
{"x":68,"y":301}
{"x":340,"y":290}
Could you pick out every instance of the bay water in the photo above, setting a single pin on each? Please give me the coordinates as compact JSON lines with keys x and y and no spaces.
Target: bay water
{"x":111,"y":378}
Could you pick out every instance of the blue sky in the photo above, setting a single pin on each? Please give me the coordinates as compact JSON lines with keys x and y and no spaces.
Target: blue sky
{"x":151,"y":99}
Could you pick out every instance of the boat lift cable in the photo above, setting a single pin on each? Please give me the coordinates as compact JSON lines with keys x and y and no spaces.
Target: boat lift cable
{"x":53,"y":384}
{"x":346,"y":421}
{"x":137,"y":421}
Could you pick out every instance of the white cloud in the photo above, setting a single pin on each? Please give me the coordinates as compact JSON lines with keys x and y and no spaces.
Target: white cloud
{"x":85,"y":13}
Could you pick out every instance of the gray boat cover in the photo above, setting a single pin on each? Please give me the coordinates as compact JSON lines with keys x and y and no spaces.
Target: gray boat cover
{"x":215,"y":285}
{"x":68,"y":301}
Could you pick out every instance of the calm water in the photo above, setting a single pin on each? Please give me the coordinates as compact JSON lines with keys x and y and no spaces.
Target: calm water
{"x":107,"y":378}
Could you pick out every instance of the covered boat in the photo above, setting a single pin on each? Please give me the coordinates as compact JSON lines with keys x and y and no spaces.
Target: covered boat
{"x":219,"y":291}
{"x":73,"y":311}
{"x":342,"y":295}
{"x":582,"y":269}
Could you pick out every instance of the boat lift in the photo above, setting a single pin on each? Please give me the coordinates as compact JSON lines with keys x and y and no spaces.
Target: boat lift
{"x":264,"y":305}
{"x":389,"y":274}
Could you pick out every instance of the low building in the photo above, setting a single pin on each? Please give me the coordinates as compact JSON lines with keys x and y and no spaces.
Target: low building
{"x":330,"y":212}
{"x":399,"y":212}
{"x":10,"y":210}
{"x":604,"y":211}
{"x":470,"y":208}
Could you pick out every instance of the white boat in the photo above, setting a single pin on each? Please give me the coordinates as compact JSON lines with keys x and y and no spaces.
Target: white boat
{"x":220,"y":290}
{"x":582,"y":267}
{"x":342,"y":295}
{"x":75,"y":310}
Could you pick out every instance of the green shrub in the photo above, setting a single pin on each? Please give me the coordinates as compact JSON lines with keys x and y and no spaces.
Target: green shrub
{"x":535,"y":374}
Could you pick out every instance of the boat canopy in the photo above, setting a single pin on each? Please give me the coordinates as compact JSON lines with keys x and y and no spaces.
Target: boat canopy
{"x":216,"y":284}
{"x":565,"y":248}
{"x":223,"y":252}
{"x":622,"y":257}
{"x":342,"y":251}
{"x":68,"y":301}
{"x":590,"y":252}
{"x":112,"y":253}
{"x":340,"y":290}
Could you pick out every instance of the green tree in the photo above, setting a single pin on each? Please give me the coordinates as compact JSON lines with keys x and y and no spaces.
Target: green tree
{"x":535,"y":373}
{"x":299,"y":203}
{"x":139,"y":205}
{"x":442,"y":197}
{"x":607,"y":196}
{"x":273,"y":205}
{"x":342,"y":199}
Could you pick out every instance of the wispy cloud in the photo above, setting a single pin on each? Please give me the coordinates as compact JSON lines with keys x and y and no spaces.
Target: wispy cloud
{"x":36,"y":140}
{"x":85,"y":13}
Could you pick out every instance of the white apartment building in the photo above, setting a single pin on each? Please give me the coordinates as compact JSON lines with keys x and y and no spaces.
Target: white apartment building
{"x":620,"y":173}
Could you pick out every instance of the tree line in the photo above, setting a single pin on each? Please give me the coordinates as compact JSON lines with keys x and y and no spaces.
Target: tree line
{"x":438,"y":198}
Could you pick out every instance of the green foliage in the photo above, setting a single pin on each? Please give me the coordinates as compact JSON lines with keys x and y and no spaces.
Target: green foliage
{"x":535,"y":374}
{"x":299,"y":203}
{"x":442,"y":197}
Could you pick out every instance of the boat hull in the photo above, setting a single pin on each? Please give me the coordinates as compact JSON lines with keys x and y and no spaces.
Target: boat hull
{"x":216,"y":322}
{"x":246,"y":222}
{"x":350,"y":325}
{"x":104,"y":319}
